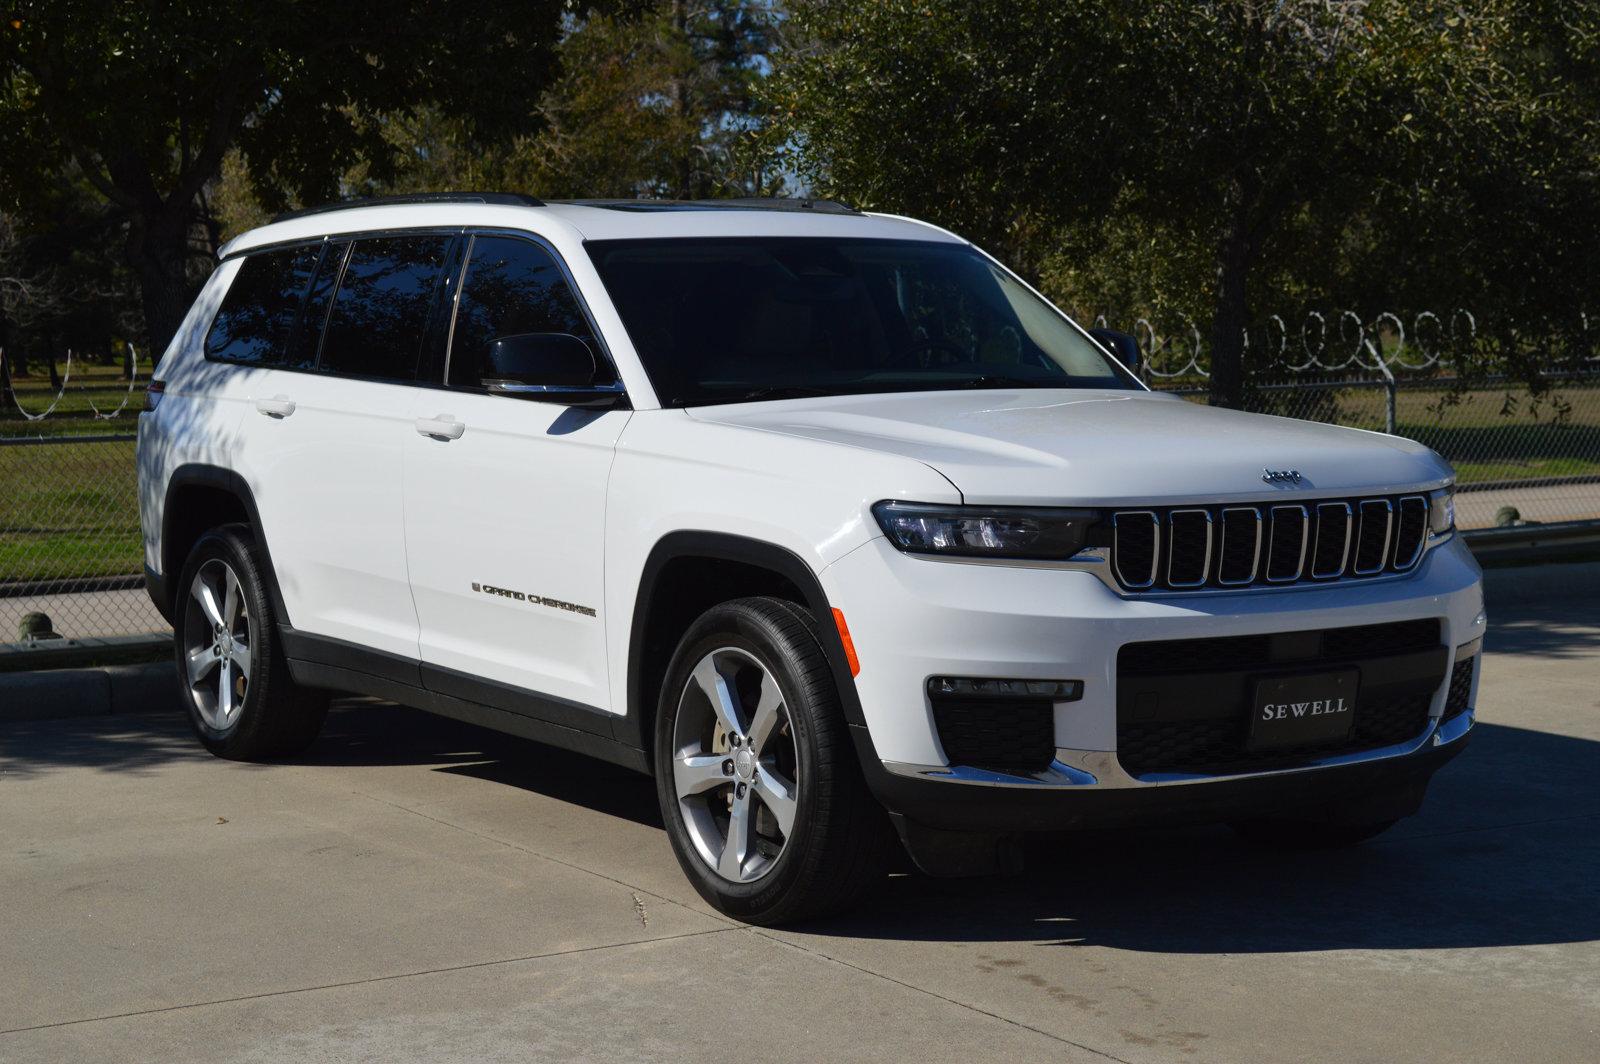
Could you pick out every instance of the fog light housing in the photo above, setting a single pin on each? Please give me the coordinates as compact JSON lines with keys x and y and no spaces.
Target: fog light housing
{"x":977,"y":687}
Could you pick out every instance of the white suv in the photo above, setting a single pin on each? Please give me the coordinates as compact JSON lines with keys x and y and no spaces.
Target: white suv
{"x":824,"y":518}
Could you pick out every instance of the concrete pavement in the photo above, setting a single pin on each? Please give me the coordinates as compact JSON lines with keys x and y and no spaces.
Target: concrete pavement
{"x":416,"y":889}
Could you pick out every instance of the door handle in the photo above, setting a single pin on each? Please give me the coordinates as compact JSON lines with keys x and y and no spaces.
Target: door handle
{"x":279,"y":406}
{"x":443,"y":427}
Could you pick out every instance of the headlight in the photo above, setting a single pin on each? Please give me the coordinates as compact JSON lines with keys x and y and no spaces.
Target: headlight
{"x":1442,"y":510}
{"x":984,"y":531}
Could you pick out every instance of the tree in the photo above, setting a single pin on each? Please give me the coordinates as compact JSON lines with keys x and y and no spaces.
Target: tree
{"x":147,"y":98}
{"x":1265,"y":138}
{"x":653,"y":100}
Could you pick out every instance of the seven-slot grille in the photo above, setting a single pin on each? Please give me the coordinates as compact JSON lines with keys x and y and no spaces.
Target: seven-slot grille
{"x":1183,"y":548}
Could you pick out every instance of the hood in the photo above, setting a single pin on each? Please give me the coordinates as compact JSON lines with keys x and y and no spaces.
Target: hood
{"x":1102,"y":448}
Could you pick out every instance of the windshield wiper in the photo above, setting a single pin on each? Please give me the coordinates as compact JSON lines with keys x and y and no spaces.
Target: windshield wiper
{"x":1000,"y":380}
{"x":782,"y":391}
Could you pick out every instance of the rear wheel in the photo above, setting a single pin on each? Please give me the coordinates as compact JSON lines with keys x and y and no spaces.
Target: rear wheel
{"x":758,"y":780}
{"x":241,"y":699}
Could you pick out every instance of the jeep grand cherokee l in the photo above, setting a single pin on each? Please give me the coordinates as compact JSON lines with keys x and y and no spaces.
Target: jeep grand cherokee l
{"x":823,"y":518}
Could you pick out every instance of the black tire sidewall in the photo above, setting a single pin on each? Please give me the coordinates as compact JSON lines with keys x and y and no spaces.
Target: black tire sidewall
{"x":735,"y":625}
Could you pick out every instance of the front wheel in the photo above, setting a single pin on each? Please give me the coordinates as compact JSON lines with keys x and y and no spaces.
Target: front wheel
{"x":760,"y":789}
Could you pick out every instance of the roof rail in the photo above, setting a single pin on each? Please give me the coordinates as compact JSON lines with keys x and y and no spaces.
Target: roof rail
{"x":509,"y":199}
{"x":748,"y":203}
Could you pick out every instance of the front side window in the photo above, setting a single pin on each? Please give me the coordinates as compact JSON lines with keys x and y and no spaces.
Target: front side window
{"x":257,"y":316}
{"x":380,"y":313}
{"x":735,"y":320}
{"x":512,"y":286}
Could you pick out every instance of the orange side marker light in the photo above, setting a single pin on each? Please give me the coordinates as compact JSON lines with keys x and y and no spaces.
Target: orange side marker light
{"x":849,"y":644}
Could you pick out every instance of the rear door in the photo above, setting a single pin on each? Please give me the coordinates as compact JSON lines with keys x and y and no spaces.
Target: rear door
{"x":323,"y":448}
{"x":505,"y":510}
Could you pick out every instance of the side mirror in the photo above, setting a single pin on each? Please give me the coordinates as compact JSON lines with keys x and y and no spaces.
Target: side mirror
{"x":551,"y":368}
{"x":1125,"y":347}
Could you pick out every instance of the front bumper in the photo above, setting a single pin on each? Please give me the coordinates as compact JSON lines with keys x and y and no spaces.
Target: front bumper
{"x":913,"y":618}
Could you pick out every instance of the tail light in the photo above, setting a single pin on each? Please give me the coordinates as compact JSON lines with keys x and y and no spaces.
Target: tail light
{"x":153,"y":393}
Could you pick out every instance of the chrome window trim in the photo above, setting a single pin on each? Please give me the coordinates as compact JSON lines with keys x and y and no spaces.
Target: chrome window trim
{"x":1388,"y":534}
{"x":1305,"y":536}
{"x":1255,"y":560}
{"x":1155,"y":550}
{"x":1172,"y":538}
{"x":1344,"y":556}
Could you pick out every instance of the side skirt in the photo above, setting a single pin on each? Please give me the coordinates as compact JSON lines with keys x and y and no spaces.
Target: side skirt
{"x":333,"y":664}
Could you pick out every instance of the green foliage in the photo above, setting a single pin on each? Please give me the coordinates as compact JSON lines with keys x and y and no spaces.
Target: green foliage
{"x":145,"y":99}
{"x":1213,"y":159}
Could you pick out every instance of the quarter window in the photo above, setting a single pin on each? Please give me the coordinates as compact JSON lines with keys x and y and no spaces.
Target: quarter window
{"x":258,"y":314}
{"x":511,"y":287}
{"x":380,"y":314}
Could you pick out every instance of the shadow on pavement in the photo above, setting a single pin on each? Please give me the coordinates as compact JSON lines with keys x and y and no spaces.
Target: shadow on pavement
{"x":1439,"y":880}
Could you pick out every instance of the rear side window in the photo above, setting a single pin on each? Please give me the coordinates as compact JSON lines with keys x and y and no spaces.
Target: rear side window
{"x":512,"y":286}
{"x":380,"y":314}
{"x":258,"y":314}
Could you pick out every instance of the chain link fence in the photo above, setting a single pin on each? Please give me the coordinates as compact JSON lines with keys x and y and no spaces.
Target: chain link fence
{"x":69,"y":517}
{"x":1524,"y":452}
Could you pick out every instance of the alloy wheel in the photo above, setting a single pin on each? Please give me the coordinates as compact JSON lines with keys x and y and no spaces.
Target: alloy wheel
{"x":217,"y":639}
{"x":734,"y":764}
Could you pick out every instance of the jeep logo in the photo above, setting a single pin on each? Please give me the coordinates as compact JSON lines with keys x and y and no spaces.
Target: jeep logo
{"x":1281,"y":476}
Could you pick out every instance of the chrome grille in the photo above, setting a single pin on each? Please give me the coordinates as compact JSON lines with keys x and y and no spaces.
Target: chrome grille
{"x":1186,"y":548}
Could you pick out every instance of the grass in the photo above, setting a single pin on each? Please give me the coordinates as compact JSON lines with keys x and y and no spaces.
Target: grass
{"x":68,"y":510}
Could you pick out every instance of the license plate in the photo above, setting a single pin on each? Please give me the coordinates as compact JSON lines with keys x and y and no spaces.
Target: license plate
{"x":1304,"y":710}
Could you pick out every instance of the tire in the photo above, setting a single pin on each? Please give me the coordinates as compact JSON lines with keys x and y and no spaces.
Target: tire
{"x":236,"y":684}
{"x":788,"y":761}
{"x":1308,"y":834}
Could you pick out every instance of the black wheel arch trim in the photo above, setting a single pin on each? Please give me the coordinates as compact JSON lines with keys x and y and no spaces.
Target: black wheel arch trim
{"x":163,"y":587}
{"x":722,"y":546}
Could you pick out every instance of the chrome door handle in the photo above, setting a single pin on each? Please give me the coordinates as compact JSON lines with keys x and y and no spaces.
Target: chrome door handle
{"x":443,"y":427}
{"x":279,"y":406}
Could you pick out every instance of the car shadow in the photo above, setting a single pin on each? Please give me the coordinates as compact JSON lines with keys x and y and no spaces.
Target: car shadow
{"x":1505,"y":851}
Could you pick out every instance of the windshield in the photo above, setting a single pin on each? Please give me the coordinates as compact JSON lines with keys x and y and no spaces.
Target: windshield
{"x":737,"y":320}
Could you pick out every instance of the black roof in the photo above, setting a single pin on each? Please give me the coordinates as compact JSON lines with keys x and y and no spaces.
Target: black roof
{"x":510,"y":199}
{"x":518,"y":199}
{"x":741,"y":203}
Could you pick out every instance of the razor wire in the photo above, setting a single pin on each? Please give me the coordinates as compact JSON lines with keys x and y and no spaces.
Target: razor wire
{"x":1357,"y":343}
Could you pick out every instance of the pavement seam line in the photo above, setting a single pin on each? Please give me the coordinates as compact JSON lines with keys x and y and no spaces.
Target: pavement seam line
{"x":935,"y":995}
{"x":369,"y":980}
{"x":726,"y":924}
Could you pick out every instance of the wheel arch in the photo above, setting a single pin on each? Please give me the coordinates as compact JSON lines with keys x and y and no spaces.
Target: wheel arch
{"x":201,"y":497}
{"x":740,"y":567}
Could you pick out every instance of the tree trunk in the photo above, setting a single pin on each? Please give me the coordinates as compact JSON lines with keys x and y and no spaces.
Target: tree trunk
{"x":1232,"y":314}
{"x":158,"y":253}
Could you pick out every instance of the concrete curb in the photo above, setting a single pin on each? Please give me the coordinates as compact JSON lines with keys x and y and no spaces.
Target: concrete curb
{"x":55,"y":694}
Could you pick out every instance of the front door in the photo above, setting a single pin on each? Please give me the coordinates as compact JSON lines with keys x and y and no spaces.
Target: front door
{"x":505,"y":503}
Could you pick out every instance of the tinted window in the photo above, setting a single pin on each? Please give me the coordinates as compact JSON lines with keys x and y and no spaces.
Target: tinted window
{"x":720,"y":321}
{"x":307,"y":339}
{"x":376,"y":325}
{"x":511,"y":287}
{"x":258,"y":313}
